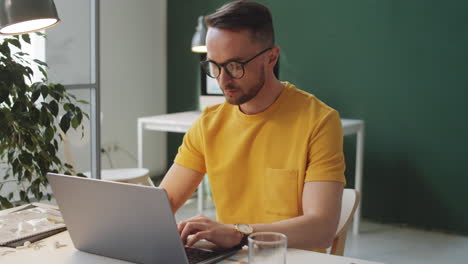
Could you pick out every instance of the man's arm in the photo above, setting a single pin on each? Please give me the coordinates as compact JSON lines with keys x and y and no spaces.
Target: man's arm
{"x":315,"y":229}
{"x":180,"y":182}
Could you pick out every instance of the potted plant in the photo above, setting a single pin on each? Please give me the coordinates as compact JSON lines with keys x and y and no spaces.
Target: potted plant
{"x":31,"y":118}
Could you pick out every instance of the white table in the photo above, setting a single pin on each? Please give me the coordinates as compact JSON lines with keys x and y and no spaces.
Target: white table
{"x":67,"y":254}
{"x":181,"y":122}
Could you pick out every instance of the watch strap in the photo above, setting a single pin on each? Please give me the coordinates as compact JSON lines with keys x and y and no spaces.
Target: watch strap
{"x":244,"y":240}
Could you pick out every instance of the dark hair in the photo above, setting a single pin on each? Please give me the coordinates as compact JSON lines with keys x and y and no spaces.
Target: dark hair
{"x":243,"y":14}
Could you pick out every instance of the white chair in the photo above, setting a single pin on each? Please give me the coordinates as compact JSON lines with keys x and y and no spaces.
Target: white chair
{"x":127,"y":175}
{"x":349,"y":203}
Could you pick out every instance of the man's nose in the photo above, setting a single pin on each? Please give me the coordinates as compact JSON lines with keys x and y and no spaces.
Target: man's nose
{"x":224,"y":78}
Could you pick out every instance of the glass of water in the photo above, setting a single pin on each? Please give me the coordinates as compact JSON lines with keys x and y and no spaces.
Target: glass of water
{"x":267,"y":247}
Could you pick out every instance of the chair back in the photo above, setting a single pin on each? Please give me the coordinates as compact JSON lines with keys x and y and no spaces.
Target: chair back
{"x":349,"y":203}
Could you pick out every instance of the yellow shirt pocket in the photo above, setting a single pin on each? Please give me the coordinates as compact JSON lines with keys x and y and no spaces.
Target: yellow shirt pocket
{"x":280,"y":189}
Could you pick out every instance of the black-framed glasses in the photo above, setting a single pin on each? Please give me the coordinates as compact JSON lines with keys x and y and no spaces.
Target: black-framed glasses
{"x":235,"y":69}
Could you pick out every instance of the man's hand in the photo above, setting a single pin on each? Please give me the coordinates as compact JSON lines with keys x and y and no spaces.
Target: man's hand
{"x":202,"y":227}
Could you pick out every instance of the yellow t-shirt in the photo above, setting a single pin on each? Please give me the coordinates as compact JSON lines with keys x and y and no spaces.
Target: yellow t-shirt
{"x":257,"y":164}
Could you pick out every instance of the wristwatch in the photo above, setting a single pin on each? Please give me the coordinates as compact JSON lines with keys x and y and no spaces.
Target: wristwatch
{"x":245,"y":230}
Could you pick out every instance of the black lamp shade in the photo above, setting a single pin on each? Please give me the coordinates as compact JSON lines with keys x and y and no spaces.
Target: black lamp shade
{"x":24,"y":16}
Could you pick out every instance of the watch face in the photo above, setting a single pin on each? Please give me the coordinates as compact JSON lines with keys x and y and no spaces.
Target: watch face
{"x":246,"y":229}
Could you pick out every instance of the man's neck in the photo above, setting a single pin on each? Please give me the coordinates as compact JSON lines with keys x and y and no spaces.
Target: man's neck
{"x":264,"y":99}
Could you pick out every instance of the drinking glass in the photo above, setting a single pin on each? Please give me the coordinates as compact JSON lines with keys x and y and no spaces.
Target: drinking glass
{"x":267,"y":247}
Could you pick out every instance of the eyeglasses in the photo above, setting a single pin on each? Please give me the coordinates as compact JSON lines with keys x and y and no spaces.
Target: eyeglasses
{"x":235,"y":69}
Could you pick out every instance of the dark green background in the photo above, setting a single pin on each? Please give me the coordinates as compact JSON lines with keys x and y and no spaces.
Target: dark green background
{"x":401,"y":65}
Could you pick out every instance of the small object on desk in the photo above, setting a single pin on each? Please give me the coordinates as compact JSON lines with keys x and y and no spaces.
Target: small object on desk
{"x":58,"y":245}
{"x":27,"y":244}
{"x":56,"y":221}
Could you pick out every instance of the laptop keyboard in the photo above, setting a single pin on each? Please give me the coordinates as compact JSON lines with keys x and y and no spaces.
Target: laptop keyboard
{"x":196,"y":255}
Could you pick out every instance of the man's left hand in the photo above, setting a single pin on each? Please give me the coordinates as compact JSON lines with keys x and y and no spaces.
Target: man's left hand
{"x":202,"y":227}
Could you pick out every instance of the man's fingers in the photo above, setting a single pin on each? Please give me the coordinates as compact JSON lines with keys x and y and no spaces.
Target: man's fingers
{"x":191,"y":228}
{"x":197,"y":218}
{"x":197,"y":237}
{"x":181,"y":226}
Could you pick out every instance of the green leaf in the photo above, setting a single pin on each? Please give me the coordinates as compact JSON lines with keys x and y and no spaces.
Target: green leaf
{"x":44,"y":116}
{"x":49,"y":197}
{"x":56,"y":95}
{"x":4,"y":93}
{"x":15,"y":42}
{"x":75,"y":122}
{"x":26,"y":158}
{"x":5,"y":50}
{"x":40,"y":62}
{"x":21,"y":54}
{"x":79,"y":115}
{"x":40,"y":34}
{"x":29,"y":143}
{"x":35,"y":115}
{"x":49,"y":134}
{"x":10,"y":196}
{"x":28,"y":175}
{"x":60,"y":88}
{"x":65,"y":122}
{"x":17,"y":106}
{"x":54,"y":108}
{"x":35,"y":95}
{"x":69,"y":107}
{"x":51,"y":150}
{"x":15,"y":166}
{"x":5,"y":203}
{"x":23,"y":195}
{"x":83,"y":102}
{"x":43,"y":72}
{"x":26,"y":38}
{"x":44,"y":90}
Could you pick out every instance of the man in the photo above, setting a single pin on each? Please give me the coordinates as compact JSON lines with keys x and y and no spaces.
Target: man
{"x":273,"y":153}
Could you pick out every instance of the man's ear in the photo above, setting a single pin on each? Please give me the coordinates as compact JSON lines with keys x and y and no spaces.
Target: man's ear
{"x":274,"y":55}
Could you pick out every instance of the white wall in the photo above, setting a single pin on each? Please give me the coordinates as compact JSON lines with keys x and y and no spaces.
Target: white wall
{"x":132,"y":71}
{"x":133,"y":78}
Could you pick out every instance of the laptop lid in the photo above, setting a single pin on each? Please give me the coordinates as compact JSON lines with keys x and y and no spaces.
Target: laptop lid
{"x":118,"y":220}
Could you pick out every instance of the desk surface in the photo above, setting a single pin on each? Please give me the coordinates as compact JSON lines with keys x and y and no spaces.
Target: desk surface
{"x":181,"y":122}
{"x":67,"y":254}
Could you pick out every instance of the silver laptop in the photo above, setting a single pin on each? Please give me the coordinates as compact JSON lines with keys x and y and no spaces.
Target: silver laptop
{"x":124,"y":221}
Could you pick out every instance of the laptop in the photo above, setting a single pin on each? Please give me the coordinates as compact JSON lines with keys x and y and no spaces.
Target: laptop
{"x":125,"y":221}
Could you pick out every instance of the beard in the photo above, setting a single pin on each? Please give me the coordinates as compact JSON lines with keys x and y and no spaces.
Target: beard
{"x":243,"y":95}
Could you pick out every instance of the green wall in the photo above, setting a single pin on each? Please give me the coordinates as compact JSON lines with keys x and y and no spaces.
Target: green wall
{"x":400,"y":65}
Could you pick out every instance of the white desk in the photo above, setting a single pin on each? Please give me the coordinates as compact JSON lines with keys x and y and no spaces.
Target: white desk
{"x":181,"y":122}
{"x":49,"y":254}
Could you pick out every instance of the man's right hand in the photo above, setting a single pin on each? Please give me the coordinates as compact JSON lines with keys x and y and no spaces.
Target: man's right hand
{"x":202,"y":227}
